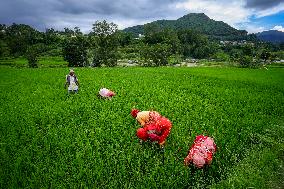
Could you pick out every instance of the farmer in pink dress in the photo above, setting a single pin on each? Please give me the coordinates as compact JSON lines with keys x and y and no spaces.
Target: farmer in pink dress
{"x":106,"y":93}
{"x":201,"y":152}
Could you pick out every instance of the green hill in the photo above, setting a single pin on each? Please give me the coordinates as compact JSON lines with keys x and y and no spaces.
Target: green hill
{"x":196,"y":21}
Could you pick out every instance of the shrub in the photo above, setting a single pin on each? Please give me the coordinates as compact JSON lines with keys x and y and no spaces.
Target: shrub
{"x":221,"y":56}
{"x":246,"y":61}
{"x":32,"y":56}
{"x":156,"y":55}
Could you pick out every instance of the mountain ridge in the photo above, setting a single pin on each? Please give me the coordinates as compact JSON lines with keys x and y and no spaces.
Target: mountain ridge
{"x":273,"y":36}
{"x":195,"y":21}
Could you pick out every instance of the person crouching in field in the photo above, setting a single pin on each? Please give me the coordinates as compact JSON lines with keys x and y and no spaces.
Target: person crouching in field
{"x":201,"y":152}
{"x":106,"y":93}
{"x":145,"y":117}
{"x":154,"y":127}
{"x":72,"y":82}
{"x":155,"y":132}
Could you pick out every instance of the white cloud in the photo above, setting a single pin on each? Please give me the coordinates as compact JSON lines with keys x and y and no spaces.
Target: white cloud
{"x":231,"y":12}
{"x":123,"y":23}
{"x":279,"y":28}
{"x":254,"y":29}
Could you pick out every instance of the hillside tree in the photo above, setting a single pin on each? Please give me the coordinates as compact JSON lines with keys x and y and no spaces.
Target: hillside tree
{"x":105,"y":44}
{"x":155,"y":55}
{"x":195,"y":45}
{"x":75,"y":51}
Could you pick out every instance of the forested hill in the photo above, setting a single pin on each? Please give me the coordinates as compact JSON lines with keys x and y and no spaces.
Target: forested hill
{"x":196,"y":21}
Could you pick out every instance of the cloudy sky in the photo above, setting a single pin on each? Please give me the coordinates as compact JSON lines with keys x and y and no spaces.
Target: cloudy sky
{"x":251,"y":15}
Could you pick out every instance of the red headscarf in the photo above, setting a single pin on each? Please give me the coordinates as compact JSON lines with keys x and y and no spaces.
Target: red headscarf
{"x":134,"y":112}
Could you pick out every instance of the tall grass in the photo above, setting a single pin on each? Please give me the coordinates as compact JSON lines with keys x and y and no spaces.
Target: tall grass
{"x":49,"y":139}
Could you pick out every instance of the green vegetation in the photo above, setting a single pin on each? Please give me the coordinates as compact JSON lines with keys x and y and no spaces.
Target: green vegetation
{"x":195,"y":21}
{"x":49,"y":139}
{"x":105,"y":42}
{"x":75,"y":50}
{"x":32,"y":56}
{"x":161,"y":44}
{"x":43,"y":61}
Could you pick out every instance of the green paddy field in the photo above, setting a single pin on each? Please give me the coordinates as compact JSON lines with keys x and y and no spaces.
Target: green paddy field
{"x":49,"y":139}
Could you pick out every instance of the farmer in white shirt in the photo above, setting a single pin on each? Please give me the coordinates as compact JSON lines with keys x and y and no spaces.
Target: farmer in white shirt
{"x":72,"y":82}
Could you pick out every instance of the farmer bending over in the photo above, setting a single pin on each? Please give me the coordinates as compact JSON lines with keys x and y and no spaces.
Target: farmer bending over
{"x":156,"y":131}
{"x":201,"y":152}
{"x":145,"y":117}
{"x":106,"y":93}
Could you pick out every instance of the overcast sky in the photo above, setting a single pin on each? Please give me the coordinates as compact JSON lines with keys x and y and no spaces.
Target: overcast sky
{"x":251,"y":15}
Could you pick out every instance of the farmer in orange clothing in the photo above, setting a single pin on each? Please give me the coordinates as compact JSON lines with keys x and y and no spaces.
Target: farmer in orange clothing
{"x":145,"y":117}
{"x":155,"y":127}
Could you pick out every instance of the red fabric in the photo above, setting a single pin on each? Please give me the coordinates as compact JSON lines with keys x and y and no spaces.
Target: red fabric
{"x":134,"y":112}
{"x":200,"y":138}
{"x":157,"y":127}
{"x":142,"y":134}
{"x":110,"y":94}
{"x":159,"y":130}
{"x":201,"y":152}
{"x":151,"y":128}
{"x":164,"y":127}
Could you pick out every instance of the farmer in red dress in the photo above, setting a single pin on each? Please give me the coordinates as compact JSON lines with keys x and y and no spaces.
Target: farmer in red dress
{"x":145,"y":117}
{"x":201,"y":152}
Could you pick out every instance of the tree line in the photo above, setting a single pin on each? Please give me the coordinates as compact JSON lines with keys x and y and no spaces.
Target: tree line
{"x":105,"y":45}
